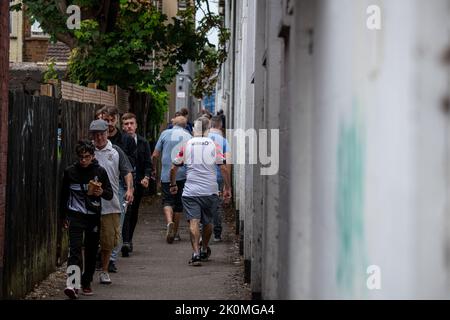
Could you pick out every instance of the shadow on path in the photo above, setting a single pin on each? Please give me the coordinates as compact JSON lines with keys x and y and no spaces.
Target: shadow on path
{"x":160,"y":271}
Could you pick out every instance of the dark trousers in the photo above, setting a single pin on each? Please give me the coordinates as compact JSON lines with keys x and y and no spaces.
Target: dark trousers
{"x":83,"y":228}
{"x":131,"y":216}
{"x":218,"y":213}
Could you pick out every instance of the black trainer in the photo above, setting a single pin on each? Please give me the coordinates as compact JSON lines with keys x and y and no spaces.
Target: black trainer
{"x":112,"y":267}
{"x":98,"y":266}
{"x":195,"y":260}
{"x":126,"y":250}
{"x":204,"y":255}
{"x":98,"y":262}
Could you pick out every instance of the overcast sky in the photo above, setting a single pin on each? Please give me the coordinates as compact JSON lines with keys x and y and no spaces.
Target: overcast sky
{"x":213,"y":6}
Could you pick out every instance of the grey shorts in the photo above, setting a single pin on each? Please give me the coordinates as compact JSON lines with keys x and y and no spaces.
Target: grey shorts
{"x":201,"y":208}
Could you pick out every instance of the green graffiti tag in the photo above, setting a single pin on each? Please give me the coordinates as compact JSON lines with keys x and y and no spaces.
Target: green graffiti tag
{"x":350,"y":273}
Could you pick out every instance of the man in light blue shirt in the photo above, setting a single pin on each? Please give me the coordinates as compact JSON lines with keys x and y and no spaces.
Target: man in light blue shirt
{"x":167,"y":147}
{"x":216,"y":134}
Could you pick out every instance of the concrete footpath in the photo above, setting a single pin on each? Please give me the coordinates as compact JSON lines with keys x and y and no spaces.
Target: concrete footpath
{"x":157,"y":270}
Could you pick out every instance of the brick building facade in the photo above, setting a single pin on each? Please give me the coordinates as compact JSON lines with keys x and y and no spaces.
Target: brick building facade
{"x":34,"y":45}
{"x":28,"y":43}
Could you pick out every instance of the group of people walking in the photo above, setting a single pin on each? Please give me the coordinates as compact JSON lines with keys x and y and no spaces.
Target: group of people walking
{"x":102,"y":191}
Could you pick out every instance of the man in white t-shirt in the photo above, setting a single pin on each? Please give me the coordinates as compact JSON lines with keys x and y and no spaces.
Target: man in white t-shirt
{"x":200,"y":197}
{"x":116,"y":164}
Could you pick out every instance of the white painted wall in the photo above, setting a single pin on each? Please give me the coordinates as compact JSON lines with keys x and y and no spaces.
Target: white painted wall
{"x":295,"y":172}
{"x":269,"y":255}
{"x":431,"y":85}
{"x":379,"y":152}
{"x":364,"y":156}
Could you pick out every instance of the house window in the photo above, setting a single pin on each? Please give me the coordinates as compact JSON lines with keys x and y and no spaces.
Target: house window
{"x":158,"y":4}
{"x":12,"y":22}
{"x":182,"y":5}
{"x":36,"y":30}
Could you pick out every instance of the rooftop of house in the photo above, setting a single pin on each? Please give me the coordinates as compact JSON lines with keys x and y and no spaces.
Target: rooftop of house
{"x":59,"y":52}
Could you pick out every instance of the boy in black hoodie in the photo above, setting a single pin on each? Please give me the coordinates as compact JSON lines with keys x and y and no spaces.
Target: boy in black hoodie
{"x":81,"y":210}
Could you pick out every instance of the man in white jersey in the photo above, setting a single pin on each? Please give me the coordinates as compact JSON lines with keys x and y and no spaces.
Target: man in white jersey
{"x":200,"y":197}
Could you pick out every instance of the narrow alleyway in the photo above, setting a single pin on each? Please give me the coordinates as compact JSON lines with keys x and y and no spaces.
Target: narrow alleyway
{"x":157,"y":270}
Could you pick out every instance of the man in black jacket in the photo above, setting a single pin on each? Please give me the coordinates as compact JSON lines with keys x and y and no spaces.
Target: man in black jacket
{"x":125,"y":142}
{"x":142,"y":177}
{"x":85,"y":183}
{"x":117,"y":137}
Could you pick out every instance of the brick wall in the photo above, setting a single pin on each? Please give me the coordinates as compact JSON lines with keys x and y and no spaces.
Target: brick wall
{"x":4,"y":67}
{"x":34,"y":48}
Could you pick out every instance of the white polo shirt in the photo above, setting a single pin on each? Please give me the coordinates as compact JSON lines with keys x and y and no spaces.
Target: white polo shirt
{"x":115,"y":164}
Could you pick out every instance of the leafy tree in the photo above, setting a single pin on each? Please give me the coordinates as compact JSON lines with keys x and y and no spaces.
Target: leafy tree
{"x":50,"y":73}
{"x":131,"y":44}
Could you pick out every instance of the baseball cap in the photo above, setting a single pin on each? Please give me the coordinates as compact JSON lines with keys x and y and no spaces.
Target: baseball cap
{"x":98,"y":125}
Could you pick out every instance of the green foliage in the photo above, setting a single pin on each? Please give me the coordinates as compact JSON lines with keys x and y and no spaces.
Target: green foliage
{"x":159,"y":102}
{"x":48,"y":15}
{"x":15,"y":7}
{"x":50,"y":73}
{"x":134,"y":45}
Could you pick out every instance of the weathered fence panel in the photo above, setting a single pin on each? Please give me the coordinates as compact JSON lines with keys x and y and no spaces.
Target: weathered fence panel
{"x":35,"y":240}
{"x":74,"y":92}
{"x":31,"y":209}
{"x":75,"y":120}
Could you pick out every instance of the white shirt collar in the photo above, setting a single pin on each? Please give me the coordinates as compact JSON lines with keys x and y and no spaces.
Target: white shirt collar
{"x":108,"y":147}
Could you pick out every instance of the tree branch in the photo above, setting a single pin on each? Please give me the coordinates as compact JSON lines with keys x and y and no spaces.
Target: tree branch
{"x":104,"y":16}
{"x":199,"y":4}
{"x":107,"y":15}
{"x":113,"y":12}
{"x":67,"y":39}
{"x":100,"y":9}
{"x":207,"y":7}
{"x":62,"y":6}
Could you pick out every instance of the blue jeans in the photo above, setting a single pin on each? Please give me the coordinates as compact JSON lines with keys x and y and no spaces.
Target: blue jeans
{"x":117,"y":249}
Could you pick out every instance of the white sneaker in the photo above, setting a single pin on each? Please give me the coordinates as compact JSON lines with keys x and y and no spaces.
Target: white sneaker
{"x":104,"y":278}
{"x":170,"y":234}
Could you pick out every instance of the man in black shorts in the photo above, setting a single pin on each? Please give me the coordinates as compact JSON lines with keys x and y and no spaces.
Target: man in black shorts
{"x":167,"y":148}
{"x":172,"y":202}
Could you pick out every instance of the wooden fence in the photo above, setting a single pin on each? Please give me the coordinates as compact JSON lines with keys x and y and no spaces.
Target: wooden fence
{"x":42,"y":135}
{"x":73,"y":92}
{"x":35,"y":242}
{"x":32,"y":181}
{"x":74,"y":121}
{"x":115,"y":96}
